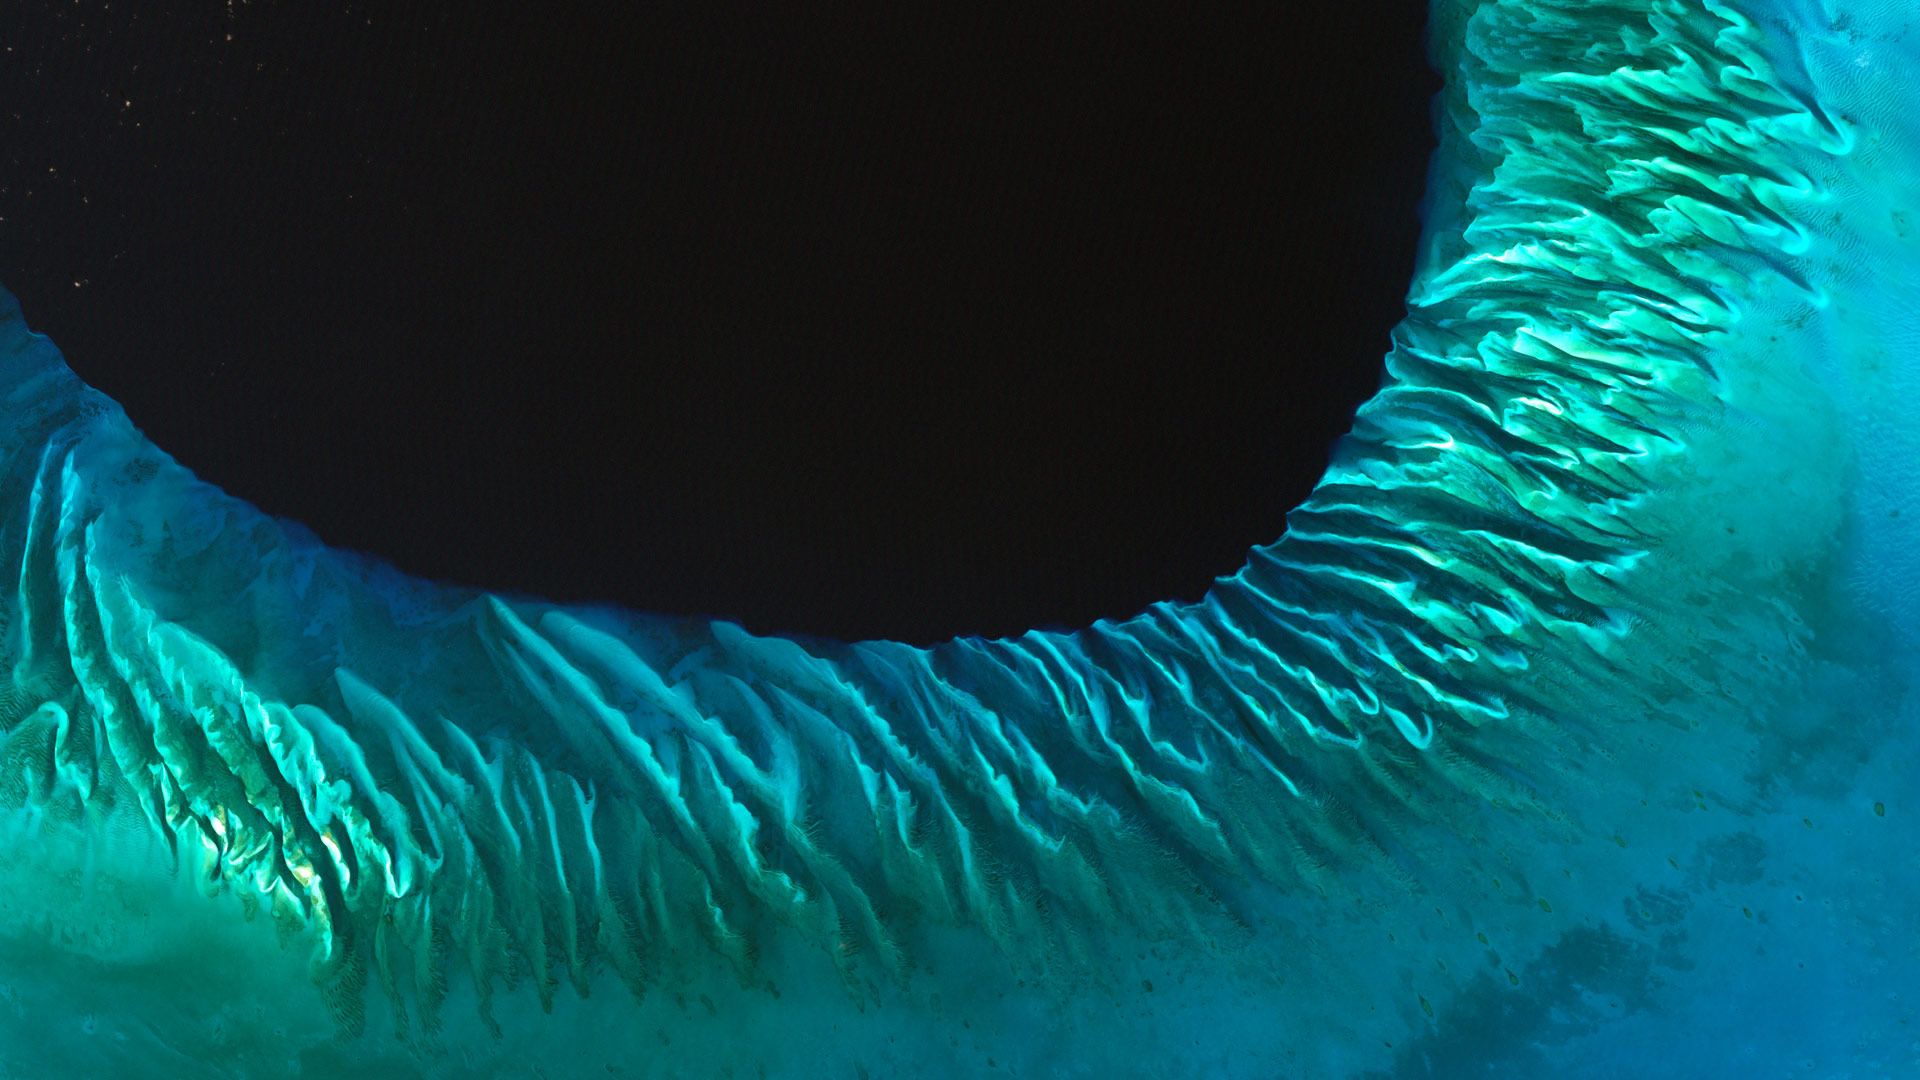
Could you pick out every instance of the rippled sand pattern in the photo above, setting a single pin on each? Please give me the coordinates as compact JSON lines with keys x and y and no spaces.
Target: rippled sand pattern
{"x":1566,"y":732}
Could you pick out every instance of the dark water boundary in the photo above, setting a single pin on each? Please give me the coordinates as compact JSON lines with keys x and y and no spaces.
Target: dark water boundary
{"x":854,"y":326}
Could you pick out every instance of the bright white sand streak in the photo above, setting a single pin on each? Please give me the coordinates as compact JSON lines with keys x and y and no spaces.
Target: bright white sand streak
{"x":1565,"y":733}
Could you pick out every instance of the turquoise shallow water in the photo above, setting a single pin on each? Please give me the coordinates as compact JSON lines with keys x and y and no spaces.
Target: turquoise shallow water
{"x":1568,"y":731}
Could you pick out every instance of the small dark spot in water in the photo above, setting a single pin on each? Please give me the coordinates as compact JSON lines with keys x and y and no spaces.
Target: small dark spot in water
{"x":1657,"y":907}
{"x":1879,"y":809}
{"x":1147,"y":985}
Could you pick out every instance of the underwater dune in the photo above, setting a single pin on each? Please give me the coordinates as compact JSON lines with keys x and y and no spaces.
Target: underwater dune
{"x":1567,"y":731}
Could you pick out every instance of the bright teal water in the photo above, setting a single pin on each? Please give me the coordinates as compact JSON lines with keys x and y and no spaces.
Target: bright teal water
{"x":1568,"y":731}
